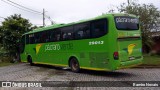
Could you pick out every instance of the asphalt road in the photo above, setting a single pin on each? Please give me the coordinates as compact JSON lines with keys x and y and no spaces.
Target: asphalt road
{"x":25,"y":72}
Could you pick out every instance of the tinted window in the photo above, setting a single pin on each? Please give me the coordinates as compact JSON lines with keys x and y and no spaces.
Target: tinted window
{"x":67,"y":33}
{"x":27,"y":39}
{"x":99,"y":28}
{"x":37,"y":37}
{"x":57,"y":35}
{"x":50,"y":36}
{"x":47,"y":36}
{"x":82,"y":31}
{"x":31,"y":39}
{"x":126,"y":23}
{"x":43,"y":37}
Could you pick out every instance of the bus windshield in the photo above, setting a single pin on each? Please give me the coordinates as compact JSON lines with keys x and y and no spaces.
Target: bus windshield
{"x":126,"y":23}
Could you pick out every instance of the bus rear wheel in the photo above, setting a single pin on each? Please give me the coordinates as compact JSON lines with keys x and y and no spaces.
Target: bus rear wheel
{"x":74,"y":65}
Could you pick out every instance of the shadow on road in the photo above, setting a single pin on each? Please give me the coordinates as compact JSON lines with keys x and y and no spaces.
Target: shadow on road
{"x":115,"y":74}
{"x":48,"y":66}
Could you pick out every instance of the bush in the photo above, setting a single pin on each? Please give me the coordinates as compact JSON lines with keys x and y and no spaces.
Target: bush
{"x":6,"y":59}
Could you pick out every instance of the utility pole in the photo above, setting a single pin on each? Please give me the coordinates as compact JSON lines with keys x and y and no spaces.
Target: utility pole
{"x":43,"y":17}
{"x":52,"y":22}
{"x":128,"y":2}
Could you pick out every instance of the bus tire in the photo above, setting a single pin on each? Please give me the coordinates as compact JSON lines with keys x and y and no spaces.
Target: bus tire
{"x":30,"y":61}
{"x":74,"y":64}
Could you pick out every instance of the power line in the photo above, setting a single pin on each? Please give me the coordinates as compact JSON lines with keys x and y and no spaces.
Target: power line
{"x":128,"y":1}
{"x":52,"y":22}
{"x":20,"y":8}
{"x":24,"y":7}
{"x":29,"y":10}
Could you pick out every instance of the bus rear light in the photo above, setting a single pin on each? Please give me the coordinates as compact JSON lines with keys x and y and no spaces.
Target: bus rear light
{"x":115,"y":56}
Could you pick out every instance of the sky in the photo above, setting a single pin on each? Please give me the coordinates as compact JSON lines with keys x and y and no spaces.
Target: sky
{"x":62,"y":11}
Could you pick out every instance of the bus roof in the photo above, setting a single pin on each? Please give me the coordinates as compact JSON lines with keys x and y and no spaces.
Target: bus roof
{"x":80,"y":21}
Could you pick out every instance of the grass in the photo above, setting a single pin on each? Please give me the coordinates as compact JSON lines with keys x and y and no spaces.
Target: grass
{"x":5,"y":61}
{"x":5,"y":64}
{"x":151,"y":60}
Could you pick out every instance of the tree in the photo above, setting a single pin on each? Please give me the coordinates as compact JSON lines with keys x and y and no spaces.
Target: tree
{"x":1,"y":34}
{"x":149,"y":19}
{"x":12,"y":29}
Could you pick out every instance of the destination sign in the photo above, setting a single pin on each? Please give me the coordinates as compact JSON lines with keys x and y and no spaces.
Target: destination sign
{"x":126,"y":20}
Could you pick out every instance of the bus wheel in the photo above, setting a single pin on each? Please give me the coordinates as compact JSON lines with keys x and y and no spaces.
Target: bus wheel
{"x":74,"y":65}
{"x":30,"y":60}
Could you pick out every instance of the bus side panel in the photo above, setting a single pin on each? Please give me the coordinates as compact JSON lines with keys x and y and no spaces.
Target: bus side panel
{"x":92,"y":53}
{"x":113,"y":64}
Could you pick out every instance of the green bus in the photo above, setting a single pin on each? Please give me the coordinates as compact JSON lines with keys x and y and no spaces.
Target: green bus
{"x":107,"y":42}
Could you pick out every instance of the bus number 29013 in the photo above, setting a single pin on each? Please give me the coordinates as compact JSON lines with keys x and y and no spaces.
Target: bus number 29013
{"x":96,"y":42}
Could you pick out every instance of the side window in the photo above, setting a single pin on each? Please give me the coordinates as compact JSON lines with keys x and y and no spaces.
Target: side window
{"x":31,"y":39}
{"x":57,"y":35}
{"x":82,"y":31}
{"x":37,"y":37}
{"x":67,"y":33}
{"x":51,"y":36}
{"x":27,"y":39}
{"x":43,"y":37}
{"x":47,"y":36}
{"x":99,"y":28}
